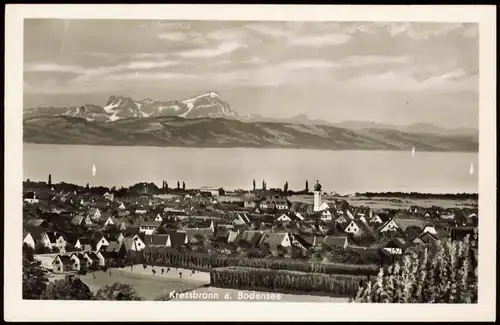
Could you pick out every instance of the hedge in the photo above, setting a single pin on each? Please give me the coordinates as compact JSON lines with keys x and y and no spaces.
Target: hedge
{"x":286,"y":281}
{"x":162,"y":256}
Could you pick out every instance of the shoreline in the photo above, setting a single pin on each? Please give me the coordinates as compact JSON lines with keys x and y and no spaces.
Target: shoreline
{"x":360,"y":195}
{"x":246,"y":147}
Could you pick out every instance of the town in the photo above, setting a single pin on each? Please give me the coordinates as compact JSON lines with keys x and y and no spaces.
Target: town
{"x":80,"y":229}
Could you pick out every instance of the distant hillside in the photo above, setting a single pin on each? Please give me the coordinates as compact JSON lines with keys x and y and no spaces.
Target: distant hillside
{"x":412,"y":128}
{"x":361,"y":125}
{"x":165,"y":131}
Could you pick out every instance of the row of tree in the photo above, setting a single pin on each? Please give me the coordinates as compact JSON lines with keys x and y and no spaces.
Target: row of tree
{"x":285,"y":187}
{"x":165,"y":185}
{"x":162,"y":256}
{"x":283,"y":280}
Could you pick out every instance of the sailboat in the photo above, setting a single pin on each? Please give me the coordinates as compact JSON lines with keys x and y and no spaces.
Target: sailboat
{"x":93,"y":170}
{"x":413,"y":152}
{"x":471,"y":170}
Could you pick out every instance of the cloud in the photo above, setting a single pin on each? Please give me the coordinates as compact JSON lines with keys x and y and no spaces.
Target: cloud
{"x":422,"y":31}
{"x":52,"y":67}
{"x":404,"y":80}
{"x":223,"y":48}
{"x":356,"y":58}
{"x":292,"y":72}
{"x":89,"y":73}
{"x":228,"y":34}
{"x":471,"y":32}
{"x":367,"y":60}
{"x":268,"y":30}
{"x":307,"y":64}
{"x":173,"y":36}
{"x":150,"y":76}
{"x":298,"y":34}
{"x":250,"y":61}
{"x":323,"y":40}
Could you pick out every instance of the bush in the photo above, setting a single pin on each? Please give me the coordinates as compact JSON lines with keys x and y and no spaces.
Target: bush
{"x":71,"y":288}
{"x":117,"y":291}
{"x":282,"y":280}
{"x":55,"y":250}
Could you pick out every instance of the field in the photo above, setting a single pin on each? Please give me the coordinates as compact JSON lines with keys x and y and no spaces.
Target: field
{"x":392,"y":203}
{"x":147,"y":286}
{"x":151,"y":287}
{"x":223,"y":294}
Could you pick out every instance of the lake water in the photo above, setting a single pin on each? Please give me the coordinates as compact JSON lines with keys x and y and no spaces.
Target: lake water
{"x":340,"y":171}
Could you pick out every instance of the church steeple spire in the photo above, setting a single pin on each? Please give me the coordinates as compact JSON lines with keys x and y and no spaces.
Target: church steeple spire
{"x":317,"y":186}
{"x":317,"y":197}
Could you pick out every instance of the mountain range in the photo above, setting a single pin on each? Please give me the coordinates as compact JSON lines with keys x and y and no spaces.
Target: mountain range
{"x":118,"y":107}
{"x":208,"y":121}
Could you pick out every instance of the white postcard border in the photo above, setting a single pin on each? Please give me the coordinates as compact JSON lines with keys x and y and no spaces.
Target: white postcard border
{"x":17,"y":309}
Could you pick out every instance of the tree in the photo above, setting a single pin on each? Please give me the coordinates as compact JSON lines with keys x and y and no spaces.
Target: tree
{"x":28,"y":252}
{"x":41,"y":249}
{"x":285,"y":188}
{"x":254,"y":185}
{"x":178,"y":185}
{"x":70,"y":288}
{"x":87,"y":186}
{"x":117,"y":291}
{"x":34,"y":279}
{"x":50,"y":179}
{"x":443,"y":272}
{"x":307,"y":186}
{"x":412,"y":232}
{"x":183,"y":186}
{"x":364,"y":239}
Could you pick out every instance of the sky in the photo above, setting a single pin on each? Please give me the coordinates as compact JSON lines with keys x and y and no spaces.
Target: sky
{"x":398,"y":73}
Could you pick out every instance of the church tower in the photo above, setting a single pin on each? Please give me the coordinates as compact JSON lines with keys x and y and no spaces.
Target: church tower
{"x":317,"y":196}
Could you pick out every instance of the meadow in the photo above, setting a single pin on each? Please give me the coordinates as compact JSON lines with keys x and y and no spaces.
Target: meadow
{"x":147,"y":285}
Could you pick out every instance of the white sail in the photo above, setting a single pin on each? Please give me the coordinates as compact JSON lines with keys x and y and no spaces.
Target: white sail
{"x":413,"y":152}
{"x":93,"y":170}
{"x":471,"y":170}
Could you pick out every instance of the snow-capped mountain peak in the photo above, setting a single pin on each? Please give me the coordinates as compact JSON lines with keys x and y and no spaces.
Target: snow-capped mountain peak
{"x":208,"y":104}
